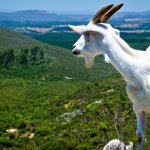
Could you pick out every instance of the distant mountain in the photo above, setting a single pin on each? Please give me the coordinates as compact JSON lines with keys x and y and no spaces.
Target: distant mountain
{"x":29,"y":15}
{"x":134,"y":14}
{"x":39,"y":15}
{"x":42,"y":15}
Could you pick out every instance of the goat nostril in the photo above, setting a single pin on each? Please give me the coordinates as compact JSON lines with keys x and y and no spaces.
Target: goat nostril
{"x":76,"y":52}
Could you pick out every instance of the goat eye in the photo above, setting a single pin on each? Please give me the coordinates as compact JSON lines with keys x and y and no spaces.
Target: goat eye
{"x":87,"y":36}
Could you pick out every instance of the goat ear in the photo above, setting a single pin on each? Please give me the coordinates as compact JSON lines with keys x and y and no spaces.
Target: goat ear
{"x":79,"y":29}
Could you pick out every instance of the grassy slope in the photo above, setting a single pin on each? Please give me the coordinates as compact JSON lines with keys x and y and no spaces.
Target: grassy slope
{"x":62,"y":61}
{"x":10,"y":39}
{"x":33,"y":98}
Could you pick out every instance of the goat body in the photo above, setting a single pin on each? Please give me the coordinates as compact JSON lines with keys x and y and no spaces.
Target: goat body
{"x":134,"y":65}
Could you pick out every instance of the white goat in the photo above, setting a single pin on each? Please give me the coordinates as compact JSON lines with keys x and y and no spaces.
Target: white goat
{"x":134,"y":65}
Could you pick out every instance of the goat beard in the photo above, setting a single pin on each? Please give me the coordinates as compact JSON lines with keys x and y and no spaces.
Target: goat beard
{"x":89,"y":62}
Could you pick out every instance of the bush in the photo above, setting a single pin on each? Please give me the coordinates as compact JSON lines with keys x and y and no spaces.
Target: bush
{"x":5,"y":142}
{"x":43,"y":131}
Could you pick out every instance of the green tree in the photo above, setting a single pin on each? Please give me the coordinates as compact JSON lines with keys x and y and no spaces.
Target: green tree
{"x":41,"y":56}
{"x":2,"y":58}
{"x":9,"y":58}
{"x":24,"y":56}
{"x":34,"y":55}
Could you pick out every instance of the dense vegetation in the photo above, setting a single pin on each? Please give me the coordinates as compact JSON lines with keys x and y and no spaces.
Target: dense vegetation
{"x":35,"y":56}
{"x":65,"y":40}
{"x":51,"y":112}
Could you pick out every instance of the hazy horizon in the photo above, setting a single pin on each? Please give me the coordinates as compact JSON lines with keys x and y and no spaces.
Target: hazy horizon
{"x":69,"y":7}
{"x":65,"y":13}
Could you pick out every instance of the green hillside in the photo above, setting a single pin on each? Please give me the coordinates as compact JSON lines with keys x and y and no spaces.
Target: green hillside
{"x":50,"y":112}
{"x":11,"y":39}
{"x":62,"y":62}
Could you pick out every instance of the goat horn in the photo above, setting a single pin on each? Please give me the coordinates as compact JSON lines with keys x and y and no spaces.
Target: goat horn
{"x":109,"y":13}
{"x":100,"y":13}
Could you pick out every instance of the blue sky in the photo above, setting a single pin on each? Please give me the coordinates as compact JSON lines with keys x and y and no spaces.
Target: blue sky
{"x":71,"y":6}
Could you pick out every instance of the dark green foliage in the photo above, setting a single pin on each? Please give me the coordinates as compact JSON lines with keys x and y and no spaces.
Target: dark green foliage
{"x":35,"y":106}
{"x":41,"y":56}
{"x":6,"y":142}
{"x":9,"y":58}
{"x":65,"y":40}
{"x":35,"y":56}
{"x":2,"y":58}
{"x":24,"y":56}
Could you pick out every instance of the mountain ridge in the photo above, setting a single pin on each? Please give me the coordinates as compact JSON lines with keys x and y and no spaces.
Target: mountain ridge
{"x":43,"y":15}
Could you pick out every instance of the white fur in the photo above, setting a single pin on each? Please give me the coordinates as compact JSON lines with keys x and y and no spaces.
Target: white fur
{"x":133,"y":65}
{"x":117,"y":144}
{"x":148,"y":49}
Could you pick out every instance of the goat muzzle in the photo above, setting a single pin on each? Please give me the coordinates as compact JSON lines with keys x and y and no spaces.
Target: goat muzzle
{"x":76,"y":52}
